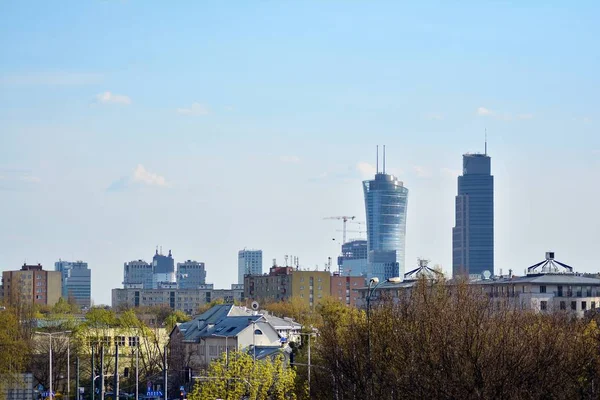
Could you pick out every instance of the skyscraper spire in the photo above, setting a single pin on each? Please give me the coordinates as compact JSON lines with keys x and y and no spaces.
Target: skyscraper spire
{"x":486,"y":141}
{"x":384,"y":158}
{"x":377,"y":161}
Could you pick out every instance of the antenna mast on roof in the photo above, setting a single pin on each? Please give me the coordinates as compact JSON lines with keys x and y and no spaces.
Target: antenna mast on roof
{"x":377,"y":161}
{"x":384,"y":158}
{"x":486,"y":141}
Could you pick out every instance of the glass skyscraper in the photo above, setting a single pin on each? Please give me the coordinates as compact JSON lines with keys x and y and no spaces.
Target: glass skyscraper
{"x":385,"y":202}
{"x":249,"y":263}
{"x":473,"y":235}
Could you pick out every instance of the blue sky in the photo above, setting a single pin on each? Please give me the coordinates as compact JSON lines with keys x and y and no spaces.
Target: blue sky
{"x":207,"y":127}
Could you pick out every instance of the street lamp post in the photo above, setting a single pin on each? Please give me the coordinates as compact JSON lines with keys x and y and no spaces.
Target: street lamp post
{"x":373,"y":283}
{"x":309,"y":334}
{"x":50,"y":335}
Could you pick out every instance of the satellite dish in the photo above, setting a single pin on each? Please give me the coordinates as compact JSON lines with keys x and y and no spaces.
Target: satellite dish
{"x":486,"y":274}
{"x":255,"y":305}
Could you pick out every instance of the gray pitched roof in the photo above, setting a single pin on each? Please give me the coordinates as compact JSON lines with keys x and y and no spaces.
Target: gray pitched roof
{"x":220,"y":320}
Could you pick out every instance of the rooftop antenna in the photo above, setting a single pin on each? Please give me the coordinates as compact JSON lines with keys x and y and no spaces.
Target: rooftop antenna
{"x":384,"y":158}
{"x":377,"y":161}
{"x":486,"y":141}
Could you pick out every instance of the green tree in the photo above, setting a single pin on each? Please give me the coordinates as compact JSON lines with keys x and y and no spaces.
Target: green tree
{"x":236,"y":376}
{"x":14,"y":349}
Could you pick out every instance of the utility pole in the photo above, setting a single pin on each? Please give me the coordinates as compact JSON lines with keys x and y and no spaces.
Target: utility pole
{"x":116,"y":376}
{"x":94,"y":374}
{"x":309,"y":365}
{"x":68,"y":369}
{"x":77,"y":396}
{"x":102,"y":372}
{"x":137,"y":367}
{"x":165,"y":373}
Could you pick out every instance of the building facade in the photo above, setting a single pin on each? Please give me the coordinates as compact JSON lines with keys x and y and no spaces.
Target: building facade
{"x":76,"y":281}
{"x":283,"y":283}
{"x":249,"y":263}
{"x":186,"y":300}
{"x":32,"y":285}
{"x":353,"y":261}
{"x":343,"y":288}
{"x":386,"y":201}
{"x":473,"y":235}
{"x":163,"y":269}
{"x":137,"y":273}
{"x":191,"y":274}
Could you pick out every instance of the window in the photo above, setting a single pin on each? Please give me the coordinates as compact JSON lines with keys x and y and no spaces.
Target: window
{"x":133,"y":341}
{"x":120,"y":340}
{"x":563,"y":305}
{"x":258,"y":332}
{"x":301,"y":287}
{"x":543,"y":305}
{"x":542,"y":289}
{"x":584,"y":305}
{"x":574,"y":305}
{"x":593,"y":305}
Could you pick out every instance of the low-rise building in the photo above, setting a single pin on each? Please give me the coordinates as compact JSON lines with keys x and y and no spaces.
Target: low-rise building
{"x":222,"y":329}
{"x":548,"y":286}
{"x":186,"y":300}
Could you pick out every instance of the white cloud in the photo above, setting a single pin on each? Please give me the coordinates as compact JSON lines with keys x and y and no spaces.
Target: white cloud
{"x":421,"y":172}
{"x":15,"y":179}
{"x":365,"y":169}
{"x":450,"y":173}
{"x":290,"y":159}
{"x":484,"y":112}
{"x":140,"y":174}
{"x":194,"y":109}
{"x":139,"y":177}
{"x":111,"y":98}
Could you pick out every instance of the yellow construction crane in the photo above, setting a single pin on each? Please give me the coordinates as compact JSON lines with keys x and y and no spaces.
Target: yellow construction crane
{"x":345,"y":219}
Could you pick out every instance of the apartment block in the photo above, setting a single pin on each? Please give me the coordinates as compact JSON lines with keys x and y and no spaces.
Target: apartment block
{"x":32,"y":285}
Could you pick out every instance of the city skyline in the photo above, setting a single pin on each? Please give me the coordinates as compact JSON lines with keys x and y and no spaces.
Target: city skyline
{"x":249,"y":124}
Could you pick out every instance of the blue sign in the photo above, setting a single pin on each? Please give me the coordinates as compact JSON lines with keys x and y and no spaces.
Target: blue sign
{"x":47,"y":394}
{"x":154,"y":393}
{"x":181,"y":388}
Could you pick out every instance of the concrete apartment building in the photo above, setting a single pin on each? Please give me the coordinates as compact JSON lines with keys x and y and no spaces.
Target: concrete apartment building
{"x":343,"y":288}
{"x":186,"y":300}
{"x":31,"y":285}
{"x":283,"y":283}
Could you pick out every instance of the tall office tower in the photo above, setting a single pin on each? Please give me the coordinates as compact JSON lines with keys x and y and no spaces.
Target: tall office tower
{"x":31,"y":285}
{"x":163,"y":269}
{"x":249,"y":263}
{"x":76,"y":281}
{"x":190,"y":274}
{"x":137,"y":274}
{"x":386,"y":201}
{"x":353,"y":261}
{"x":473,"y":235}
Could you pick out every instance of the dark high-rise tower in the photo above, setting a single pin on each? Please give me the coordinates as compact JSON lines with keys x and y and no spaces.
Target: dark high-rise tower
{"x":473,"y":235}
{"x":385,"y":203}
